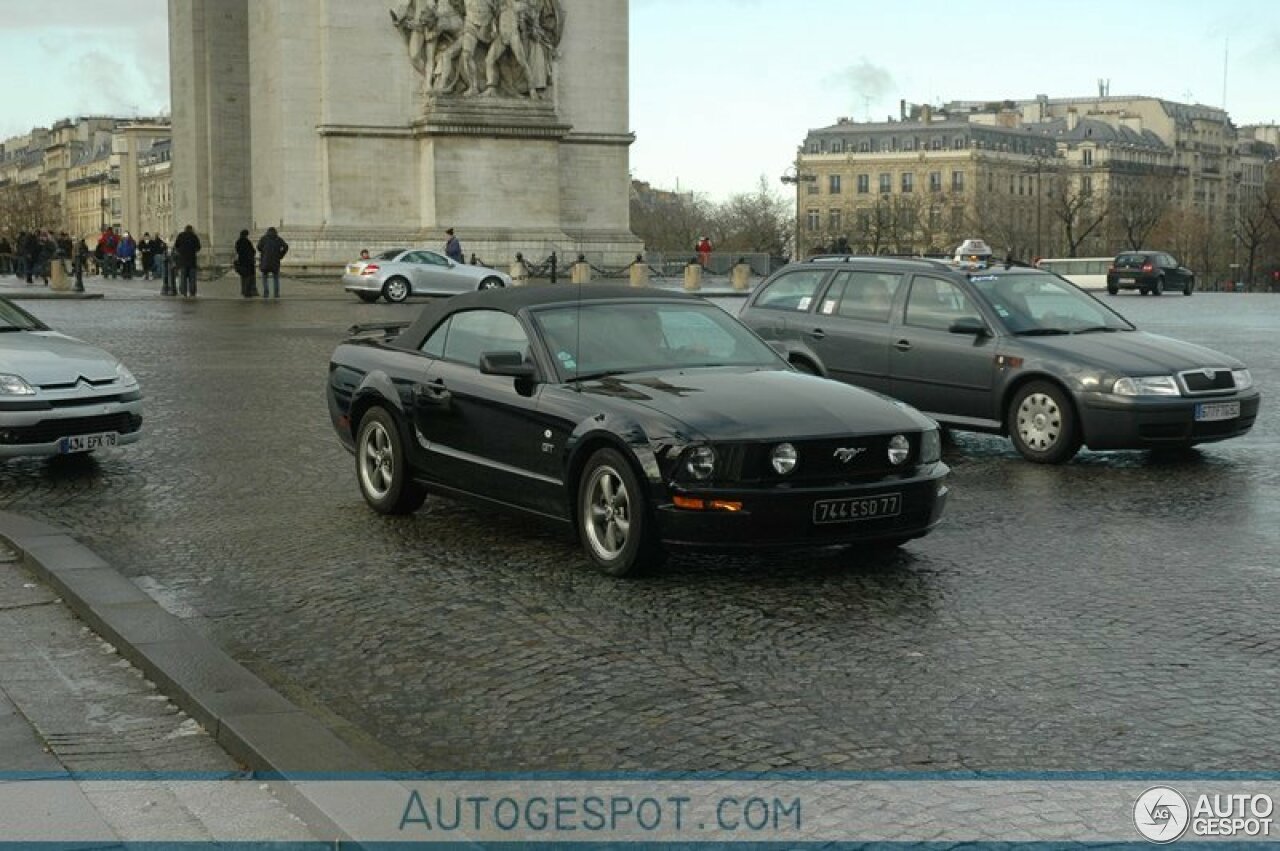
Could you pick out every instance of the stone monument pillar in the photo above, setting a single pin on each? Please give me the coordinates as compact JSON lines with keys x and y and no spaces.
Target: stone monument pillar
{"x":378,"y":125}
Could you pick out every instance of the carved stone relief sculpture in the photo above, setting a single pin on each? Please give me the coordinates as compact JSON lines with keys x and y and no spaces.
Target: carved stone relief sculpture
{"x":482,"y":48}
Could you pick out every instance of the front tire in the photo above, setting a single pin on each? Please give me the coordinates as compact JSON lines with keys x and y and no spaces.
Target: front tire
{"x":1189,"y":287}
{"x":614,"y":522}
{"x":491,"y":283}
{"x":1113,"y":289}
{"x":396,"y":290}
{"x":1042,"y":424}
{"x":382,"y":468}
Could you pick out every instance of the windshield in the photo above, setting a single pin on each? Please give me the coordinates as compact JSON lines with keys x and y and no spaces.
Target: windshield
{"x":14,"y":318}
{"x":1031,"y":304}
{"x":594,"y":340}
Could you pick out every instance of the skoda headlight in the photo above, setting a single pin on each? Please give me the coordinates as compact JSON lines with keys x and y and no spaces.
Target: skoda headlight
{"x":784,"y":458}
{"x":125,"y":376}
{"x":1147,"y":385}
{"x":13,"y":385}
{"x":899,"y":449}
{"x":700,"y":462}
{"x":930,"y":446}
{"x":1242,"y":378}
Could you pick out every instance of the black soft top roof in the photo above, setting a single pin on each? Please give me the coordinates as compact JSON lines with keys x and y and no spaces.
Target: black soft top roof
{"x":515,"y":299}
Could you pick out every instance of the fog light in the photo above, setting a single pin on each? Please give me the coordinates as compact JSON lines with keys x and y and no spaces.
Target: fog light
{"x":899,"y":449}
{"x":784,"y":458}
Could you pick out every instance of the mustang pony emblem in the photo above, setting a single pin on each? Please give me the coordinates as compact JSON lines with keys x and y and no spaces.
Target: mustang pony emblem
{"x":844,"y":456}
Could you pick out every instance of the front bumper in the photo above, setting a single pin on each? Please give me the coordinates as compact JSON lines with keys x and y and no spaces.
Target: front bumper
{"x":1137,"y":422}
{"x":40,"y":432}
{"x":780,"y":516}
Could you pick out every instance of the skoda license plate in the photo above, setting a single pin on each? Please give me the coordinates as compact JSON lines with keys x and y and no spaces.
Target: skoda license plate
{"x":1208,"y":412}
{"x":86,"y":442}
{"x":857,"y":508}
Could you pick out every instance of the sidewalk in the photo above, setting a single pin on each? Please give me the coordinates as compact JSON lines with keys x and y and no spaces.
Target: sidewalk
{"x":73,"y":710}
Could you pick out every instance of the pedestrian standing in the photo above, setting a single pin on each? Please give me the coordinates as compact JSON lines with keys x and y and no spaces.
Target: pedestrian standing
{"x":6,"y":255}
{"x":160,"y":265}
{"x":453,"y":248}
{"x":271,"y":250}
{"x":127,"y":252}
{"x":145,"y":254}
{"x":106,"y":252}
{"x":704,"y":252}
{"x":245,"y":266}
{"x":185,"y":249}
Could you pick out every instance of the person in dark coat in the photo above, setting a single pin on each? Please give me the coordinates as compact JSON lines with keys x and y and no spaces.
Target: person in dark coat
{"x":271,"y":250}
{"x":185,"y":249}
{"x":246,"y":254}
{"x":160,"y":264}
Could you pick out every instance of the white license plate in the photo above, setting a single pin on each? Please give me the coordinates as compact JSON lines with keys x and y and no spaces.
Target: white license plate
{"x":87,"y":442}
{"x":353,"y":270}
{"x":857,"y":508}
{"x":1208,"y":412}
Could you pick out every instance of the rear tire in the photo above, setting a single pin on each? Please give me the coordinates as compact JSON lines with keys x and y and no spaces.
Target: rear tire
{"x":1112,"y":289}
{"x":802,"y":365}
{"x":1159,"y":287}
{"x":382,"y":469}
{"x":368,"y":298}
{"x":1189,"y":287}
{"x":396,"y":290}
{"x":1042,"y":424}
{"x":491,"y":283}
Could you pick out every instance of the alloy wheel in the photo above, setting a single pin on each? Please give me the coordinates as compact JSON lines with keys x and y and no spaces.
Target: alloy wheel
{"x":607,"y":514}
{"x":377,"y":457}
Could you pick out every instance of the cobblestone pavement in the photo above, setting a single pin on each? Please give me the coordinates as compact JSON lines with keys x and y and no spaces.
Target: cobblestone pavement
{"x":1115,"y":614}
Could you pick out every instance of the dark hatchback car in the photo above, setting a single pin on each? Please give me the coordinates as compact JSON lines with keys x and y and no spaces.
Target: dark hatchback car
{"x":1009,"y":350}
{"x":641,"y":421}
{"x":1151,"y":272}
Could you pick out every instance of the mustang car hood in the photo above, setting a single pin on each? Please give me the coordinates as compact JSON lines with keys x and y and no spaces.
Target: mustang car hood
{"x":1131,"y":352}
{"x":47,"y":357}
{"x":730,"y":404}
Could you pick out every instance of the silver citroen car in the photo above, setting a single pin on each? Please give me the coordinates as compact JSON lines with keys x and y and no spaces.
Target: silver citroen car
{"x":58,"y":395}
{"x":401,"y":272}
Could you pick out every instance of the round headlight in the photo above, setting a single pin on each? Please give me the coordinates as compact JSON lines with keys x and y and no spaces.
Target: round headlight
{"x":700,"y":462}
{"x":899,"y":449}
{"x":784,"y":458}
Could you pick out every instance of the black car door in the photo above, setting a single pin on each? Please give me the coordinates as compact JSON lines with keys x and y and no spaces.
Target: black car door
{"x":942,"y":373}
{"x":484,"y":432}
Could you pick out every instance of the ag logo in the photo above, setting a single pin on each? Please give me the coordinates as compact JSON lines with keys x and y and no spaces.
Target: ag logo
{"x":1161,"y":814}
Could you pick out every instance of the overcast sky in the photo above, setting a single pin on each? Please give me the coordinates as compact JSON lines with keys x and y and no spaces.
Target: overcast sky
{"x":723,"y":91}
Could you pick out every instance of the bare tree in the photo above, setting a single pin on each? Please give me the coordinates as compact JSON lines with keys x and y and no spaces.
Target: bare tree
{"x":1254,"y":227}
{"x":1078,"y":211}
{"x":28,"y":207}
{"x":1137,"y":210}
{"x":758,"y":221}
{"x":670,"y":221}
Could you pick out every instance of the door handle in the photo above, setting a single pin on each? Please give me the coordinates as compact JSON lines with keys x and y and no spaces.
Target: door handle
{"x":903,"y":345}
{"x":433,"y":392}
{"x":818,"y":334}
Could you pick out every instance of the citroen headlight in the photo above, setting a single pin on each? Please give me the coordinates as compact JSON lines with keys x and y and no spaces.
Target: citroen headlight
{"x":930,"y":446}
{"x":125,"y":376}
{"x":1147,"y":385}
{"x":700,"y":462}
{"x":784,"y":458}
{"x":1242,"y":378}
{"x":13,"y":385}
{"x":899,"y":449}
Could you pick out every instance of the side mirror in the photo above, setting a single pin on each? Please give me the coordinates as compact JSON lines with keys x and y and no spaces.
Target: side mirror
{"x":969,"y":325}
{"x":510,"y":364}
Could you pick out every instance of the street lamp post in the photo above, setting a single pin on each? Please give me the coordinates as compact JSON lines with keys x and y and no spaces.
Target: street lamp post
{"x":793,"y":176}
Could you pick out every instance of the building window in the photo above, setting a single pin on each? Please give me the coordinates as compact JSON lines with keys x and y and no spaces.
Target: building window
{"x":833,"y":219}
{"x":864,"y":184}
{"x":935,"y":181}
{"x":811,"y":187}
{"x":957,"y":181}
{"x":886,"y":183}
{"x":1086,"y":185}
{"x":1021,"y":184}
{"x":1087,"y":153}
{"x":864,"y":147}
{"x":864,"y":220}
{"x":813,"y":221}
{"x":833,"y":184}
{"x":908,"y":181}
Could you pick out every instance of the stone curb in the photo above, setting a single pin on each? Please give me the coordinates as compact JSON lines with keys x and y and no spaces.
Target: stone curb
{"x":251,"y":721}
{"x":33,"y":295}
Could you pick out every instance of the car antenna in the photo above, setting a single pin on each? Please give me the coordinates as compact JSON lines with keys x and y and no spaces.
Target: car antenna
{"x":577,"y":345}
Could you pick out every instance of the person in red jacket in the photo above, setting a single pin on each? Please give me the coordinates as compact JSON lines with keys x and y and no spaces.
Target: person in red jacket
{"x":704,"y":252}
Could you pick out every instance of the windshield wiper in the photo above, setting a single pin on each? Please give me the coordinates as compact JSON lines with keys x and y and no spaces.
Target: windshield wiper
{"x":1042,"y":332}
{"x":1093,"y":329}
{"x":11,"y":328}
{"x":592,"y":376}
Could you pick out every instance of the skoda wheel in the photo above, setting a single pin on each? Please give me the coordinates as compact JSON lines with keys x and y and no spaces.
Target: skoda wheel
{"x":1113,"y":289}
{"x":613,"y":517}
{"x":491,"y":283}
{"x":1042,"y":424}
{"x":396,"y":290}
{"x":381,"y":466}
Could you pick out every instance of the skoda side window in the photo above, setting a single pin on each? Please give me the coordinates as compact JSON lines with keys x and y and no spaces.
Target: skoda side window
{"x":794,"y":291}
{"x":935,"y":303}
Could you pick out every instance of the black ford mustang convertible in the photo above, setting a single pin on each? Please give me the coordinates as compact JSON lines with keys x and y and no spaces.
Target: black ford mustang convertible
{"x":643,"y":420}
